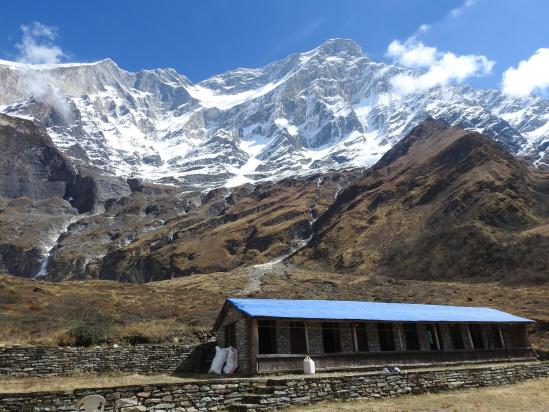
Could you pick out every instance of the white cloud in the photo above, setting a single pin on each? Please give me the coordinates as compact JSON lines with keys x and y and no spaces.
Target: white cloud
{"x":412,"y":54}
{"x":459,"y":10}
{"x":529,"y":76}
{"x":37,"y":45}
{"x":438,"y":68}
{"x":435,"y":68}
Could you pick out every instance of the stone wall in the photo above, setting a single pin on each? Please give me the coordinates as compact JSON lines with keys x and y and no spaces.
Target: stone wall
{"x":277,"y":392}
{"x":144,"y":359}
{"x":243,"y":342}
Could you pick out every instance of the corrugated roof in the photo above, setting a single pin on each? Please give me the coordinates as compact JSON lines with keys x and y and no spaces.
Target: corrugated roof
{"x":355,"y":310}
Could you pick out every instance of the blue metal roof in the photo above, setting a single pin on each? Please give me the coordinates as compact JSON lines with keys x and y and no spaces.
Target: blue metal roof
{"x":356,"y":310}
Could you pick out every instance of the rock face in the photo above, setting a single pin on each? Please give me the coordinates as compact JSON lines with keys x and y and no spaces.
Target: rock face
{"x":28,"y":229}
{"x":34,"y":178}
{"x":30,"y":165}
{"x":40,"y":193}
{"x":80,"y":251}
{"x":331,"y":107}
{"x":442,"y":203}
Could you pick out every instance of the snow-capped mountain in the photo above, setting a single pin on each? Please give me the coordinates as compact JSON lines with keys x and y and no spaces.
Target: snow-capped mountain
{"x":328,"y":108}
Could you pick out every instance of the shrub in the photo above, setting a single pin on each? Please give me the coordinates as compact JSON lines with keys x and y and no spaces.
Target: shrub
{"x":90,"y":334}
{"x":64,"y":339}
{"x":80,"y":308}
{"x":137,"y":339}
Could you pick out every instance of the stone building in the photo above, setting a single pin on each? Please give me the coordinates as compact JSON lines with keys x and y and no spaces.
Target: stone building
{"x":274,"y":335}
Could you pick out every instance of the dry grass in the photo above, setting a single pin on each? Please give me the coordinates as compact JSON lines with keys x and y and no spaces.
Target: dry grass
{"x":163,"y":313}
{"x":180,"y":308}
{"x":528,"y":396}
{"x":67,"y":383}
{"x":154,"y":330}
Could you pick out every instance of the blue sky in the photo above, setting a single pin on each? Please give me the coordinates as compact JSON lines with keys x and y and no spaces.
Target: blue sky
{"x":202,"y":38}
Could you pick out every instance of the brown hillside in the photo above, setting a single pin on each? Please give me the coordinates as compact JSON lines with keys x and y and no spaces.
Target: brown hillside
{"x":40,"y":312}
{"x":444,"y":203}
{"x":251,"y":225}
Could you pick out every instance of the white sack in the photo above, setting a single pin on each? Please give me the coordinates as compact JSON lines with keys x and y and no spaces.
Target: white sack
{"x":308,"y":366}
{"x":232,"y":361}
{"x":219,"y":360}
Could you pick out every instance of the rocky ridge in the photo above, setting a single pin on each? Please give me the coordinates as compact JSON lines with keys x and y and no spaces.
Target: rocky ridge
{"x":329,"y":108}
{"x":443,"y":203}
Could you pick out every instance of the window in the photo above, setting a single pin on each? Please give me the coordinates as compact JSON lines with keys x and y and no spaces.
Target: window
{"x":331,"y":337}
{"x":361,"y":337}
{"x":432,"y":337}
{"x":298,"y":341}
{"x":410,"y":336}
{"x":230,"y":335}
{"x":386,"y":336}
{"x":266,"y":331}
{"x":476,"y":336}
{"x":494,"y":338}
{"x":456,"y":337}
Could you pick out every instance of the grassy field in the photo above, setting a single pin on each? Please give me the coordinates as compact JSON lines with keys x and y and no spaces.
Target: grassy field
{"x":183,"y":309}
{"x":529,"y":396}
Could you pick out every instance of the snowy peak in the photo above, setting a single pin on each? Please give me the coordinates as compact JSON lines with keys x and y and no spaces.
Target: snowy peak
{"x":246,"y":79}
{"x":328,"y":108}
{"x":339,"y":47}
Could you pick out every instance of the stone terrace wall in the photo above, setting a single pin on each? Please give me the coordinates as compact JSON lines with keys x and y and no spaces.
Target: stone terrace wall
{"x":297,"y":390}
{"x":41,"y":361}
{"x":243,"y":325}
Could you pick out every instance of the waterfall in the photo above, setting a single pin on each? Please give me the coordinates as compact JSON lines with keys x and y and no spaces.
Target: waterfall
{"x":50,"y":244}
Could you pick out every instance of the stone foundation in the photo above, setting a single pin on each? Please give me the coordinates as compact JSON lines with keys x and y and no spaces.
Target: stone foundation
{"x":142,"y":359}
{"x":277,"y":392}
